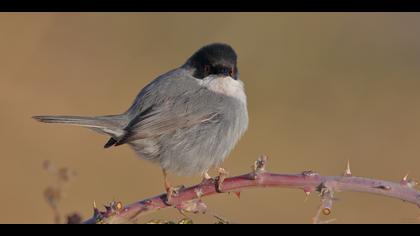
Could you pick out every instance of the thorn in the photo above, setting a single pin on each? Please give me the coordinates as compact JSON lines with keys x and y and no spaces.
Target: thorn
{"x":347,"y":173}
{"x":309,"y":173}
{"x":238,"y":194}
{"x":307,"y":194}
{"x":95,"y":209}
{"x":405,"y":178}
{"x":307,"y":191}
{"x":198,"y":192}
{"x":408,"y":182}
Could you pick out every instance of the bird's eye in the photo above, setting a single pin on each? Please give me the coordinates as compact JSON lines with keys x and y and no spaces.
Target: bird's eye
{"x":207,"y":69}
{"x":230,"y":72}
{"x":227,"y":71}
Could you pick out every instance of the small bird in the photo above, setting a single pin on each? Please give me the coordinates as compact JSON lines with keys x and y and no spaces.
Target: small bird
{"x":187,"y":120}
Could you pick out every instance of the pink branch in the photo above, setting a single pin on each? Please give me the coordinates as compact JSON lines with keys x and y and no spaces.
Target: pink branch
{"x":189,"y":199}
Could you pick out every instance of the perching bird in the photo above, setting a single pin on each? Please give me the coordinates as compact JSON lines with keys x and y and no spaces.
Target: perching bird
{"x":186,"y":120}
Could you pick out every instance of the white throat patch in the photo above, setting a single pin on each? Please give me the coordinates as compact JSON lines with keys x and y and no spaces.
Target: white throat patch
{"x":225,"y":85}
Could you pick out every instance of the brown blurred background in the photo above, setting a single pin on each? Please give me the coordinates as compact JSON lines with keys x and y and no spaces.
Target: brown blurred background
{"x":322,"y":88}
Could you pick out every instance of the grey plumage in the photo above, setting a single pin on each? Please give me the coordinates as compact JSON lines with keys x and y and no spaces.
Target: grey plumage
{"x":110,"y":125}
{"x":187,"y":120}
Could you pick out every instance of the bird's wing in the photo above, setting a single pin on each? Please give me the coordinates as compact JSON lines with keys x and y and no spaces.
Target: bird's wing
{"x":162,"y":119}
{"x":166,"y":107}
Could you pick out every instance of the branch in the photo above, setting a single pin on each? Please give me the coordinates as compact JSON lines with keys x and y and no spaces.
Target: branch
{"x":189,"y":199}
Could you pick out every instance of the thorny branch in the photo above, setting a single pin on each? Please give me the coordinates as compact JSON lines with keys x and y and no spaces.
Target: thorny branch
{"x":189,"y":199}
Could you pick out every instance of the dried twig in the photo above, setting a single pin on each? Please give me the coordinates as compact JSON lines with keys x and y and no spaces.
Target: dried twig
{"x":54,"y":193}
{"x":189,"y":199}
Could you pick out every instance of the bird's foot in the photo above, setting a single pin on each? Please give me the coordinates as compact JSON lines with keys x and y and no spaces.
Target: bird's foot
{"x":206,"y":179}
{"x":220,"y":179}
{"x":206,"y":176}
{"x":172,"y":192}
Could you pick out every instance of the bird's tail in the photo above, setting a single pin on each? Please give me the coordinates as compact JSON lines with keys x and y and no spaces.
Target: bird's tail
{"x":110,"y":125}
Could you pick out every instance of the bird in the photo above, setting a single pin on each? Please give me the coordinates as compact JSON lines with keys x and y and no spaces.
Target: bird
{"x":186,"y":120}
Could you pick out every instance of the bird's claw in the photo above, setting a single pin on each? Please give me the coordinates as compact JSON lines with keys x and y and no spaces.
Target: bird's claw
{"x":207,"y":179}
{"x":220,"y":179}
{"x":172,"y":192}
